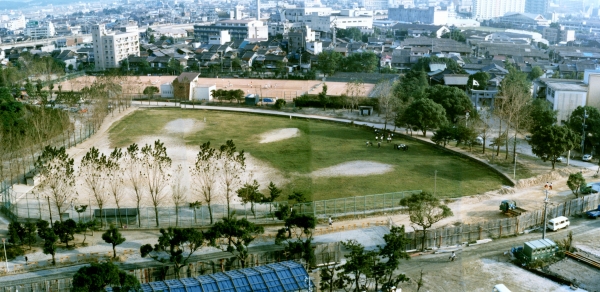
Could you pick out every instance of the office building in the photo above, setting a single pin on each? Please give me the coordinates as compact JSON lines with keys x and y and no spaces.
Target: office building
{"x":536,"y":6}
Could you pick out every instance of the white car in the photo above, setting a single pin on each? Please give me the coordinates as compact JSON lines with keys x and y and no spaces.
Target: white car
{"x":587,"y":157}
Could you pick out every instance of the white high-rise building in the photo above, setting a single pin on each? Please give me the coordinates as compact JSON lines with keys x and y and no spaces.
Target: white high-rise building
{"x":36,"y":29}
{"x":487,"y":9}
{"x":110,"y":48}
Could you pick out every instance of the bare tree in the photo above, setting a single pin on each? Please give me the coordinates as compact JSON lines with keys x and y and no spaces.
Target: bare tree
{"x":387,"y":101}
{"x":355,"y":90}
{"x":57,"y":176}
{"x":178,"y":191}
{"x":234,"y":164}
{"x":133,"y":173}
{"x":95,"y":174}
{"x":204,"y":174}
{"x":116,"y":181}
{"x":155,"y":167}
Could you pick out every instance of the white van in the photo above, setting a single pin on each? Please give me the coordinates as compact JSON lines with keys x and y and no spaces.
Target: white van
{"x":558,"y":223}
{"x":500,"y":288}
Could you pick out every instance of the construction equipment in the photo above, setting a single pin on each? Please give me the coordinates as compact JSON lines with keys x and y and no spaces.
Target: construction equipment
{"x":509,"y":207}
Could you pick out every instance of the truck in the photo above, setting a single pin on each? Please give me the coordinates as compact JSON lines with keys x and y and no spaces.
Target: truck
{"x":593,"y":213}
{"x":510,"y":208}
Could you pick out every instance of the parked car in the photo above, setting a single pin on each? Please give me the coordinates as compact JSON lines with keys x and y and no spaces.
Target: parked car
{"x":478,"y":141}
{"x":587,"y":157}
{"x":527,"y":137}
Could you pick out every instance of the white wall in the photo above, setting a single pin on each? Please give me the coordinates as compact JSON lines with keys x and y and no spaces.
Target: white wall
{"x":203,"y":92}
{"x":166,"y":90}
{"x":565,"y":102}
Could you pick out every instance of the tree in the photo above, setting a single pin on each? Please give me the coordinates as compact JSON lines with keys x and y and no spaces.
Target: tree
{"x":65,"y":230}
{"x":238,"y":234}
{"x":133,"y":173}
{"x":355,"y":91}
{"x":274,"y":193}
{"x":82,"y":227}
{"x":150,"y":91}
{"x":29,"y":234}
{"x":535,"y":73}
{"x":233,"y":165}
{"x":323,"y":98}
{"x":249,"y":194}
{"x":478,"y":80}
{"x":50,"y":239}
{"x":204,"y":174}
{"x":358,"y":265}
{"x":550,"y":142}
{"x":178,"y":191}
{"x":456,"y":35}
{"x":329,"y":62}
{"x":57,"y":176}
{"x":176,"y":246}
{"x":155,"y":168}
{"x":425,"y":210}
{"x":94,"y":170}
{"x":115,"y":175}
{"x":387,"y":101}
{"x":514,"y":103}
{"x":576,"y":182}
{"x":394,"y":251}
{"x":98,"y":276}
{"x":541,"y":114}
{"x":113,"y":236}
{"x":297,"y":236}
{"x":455,"y":101}
{"x":592,"y":125}
{"x":425,"y":115}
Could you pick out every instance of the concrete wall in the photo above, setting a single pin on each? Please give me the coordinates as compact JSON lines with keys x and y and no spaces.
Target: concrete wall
{"x":203,"y":92}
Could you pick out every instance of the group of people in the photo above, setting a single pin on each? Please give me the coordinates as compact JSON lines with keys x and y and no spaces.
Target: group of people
{"x":379,"y":138}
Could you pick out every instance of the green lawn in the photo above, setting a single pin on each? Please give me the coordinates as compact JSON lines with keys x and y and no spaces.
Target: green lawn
{"x":320,"y":145}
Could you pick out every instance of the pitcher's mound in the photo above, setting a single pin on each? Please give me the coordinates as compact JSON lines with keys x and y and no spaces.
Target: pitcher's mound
{"x":279,"y":134}
{"x":354,"y":168}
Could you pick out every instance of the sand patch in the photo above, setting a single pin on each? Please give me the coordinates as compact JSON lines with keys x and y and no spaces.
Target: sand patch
{"x":183,"y":126}
{"x":279,"y":134}
{"x":354,"y":168}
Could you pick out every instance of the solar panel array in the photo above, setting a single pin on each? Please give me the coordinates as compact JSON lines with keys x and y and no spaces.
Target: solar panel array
{"x":279,"y":277}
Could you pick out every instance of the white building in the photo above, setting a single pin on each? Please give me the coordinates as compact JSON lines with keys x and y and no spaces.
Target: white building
{"x":37,"y":29}
{"x":202,"y":92}
{"x":166,"y":90}
{"x":219,"y":39}
{"x":110,"y":48}
{"x":238,"y":30}
{"x":429,"y":15}
{"x":12,"y":22}
{"x":359,"y":18}
{"x":487,"y":9}
{"x":301,"y":14}
{"x":565,"y":97}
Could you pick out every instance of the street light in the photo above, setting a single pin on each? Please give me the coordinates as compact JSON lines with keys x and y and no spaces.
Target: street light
{"x":547,"y":186}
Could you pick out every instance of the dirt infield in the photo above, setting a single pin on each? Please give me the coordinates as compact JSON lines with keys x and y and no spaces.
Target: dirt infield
{"x":280,"y":88}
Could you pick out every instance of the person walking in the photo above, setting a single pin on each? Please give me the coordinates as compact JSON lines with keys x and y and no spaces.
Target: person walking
{"x":330,"y":222}
{"x":452,"y":256}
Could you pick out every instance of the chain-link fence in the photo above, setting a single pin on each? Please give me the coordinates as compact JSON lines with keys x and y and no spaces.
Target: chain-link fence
{"x":31,"y":206}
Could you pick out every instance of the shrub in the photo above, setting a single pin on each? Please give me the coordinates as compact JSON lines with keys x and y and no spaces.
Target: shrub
{"x":279,"y":103}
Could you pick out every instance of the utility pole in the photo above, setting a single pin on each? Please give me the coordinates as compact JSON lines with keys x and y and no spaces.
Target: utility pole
{"x":583,"y":131}
{"x":547,"y":187}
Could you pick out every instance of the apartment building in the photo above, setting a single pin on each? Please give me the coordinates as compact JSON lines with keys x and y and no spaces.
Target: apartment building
{"x":110,"y":48}
{"x":488,"y":9}
{"x":430,"y":15}
{"x":12,"y":22}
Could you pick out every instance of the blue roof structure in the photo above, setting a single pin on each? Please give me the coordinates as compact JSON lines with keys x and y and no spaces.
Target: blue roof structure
{"x":279,"y":277}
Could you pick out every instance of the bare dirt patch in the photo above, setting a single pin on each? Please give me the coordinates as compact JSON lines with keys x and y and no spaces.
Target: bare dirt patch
{"x":183,"y":126}
{"x":279,"y":134}
{"x":354,"y":168}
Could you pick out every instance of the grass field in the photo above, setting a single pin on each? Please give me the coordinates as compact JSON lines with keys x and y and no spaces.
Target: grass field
{"x":320,"y":145}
